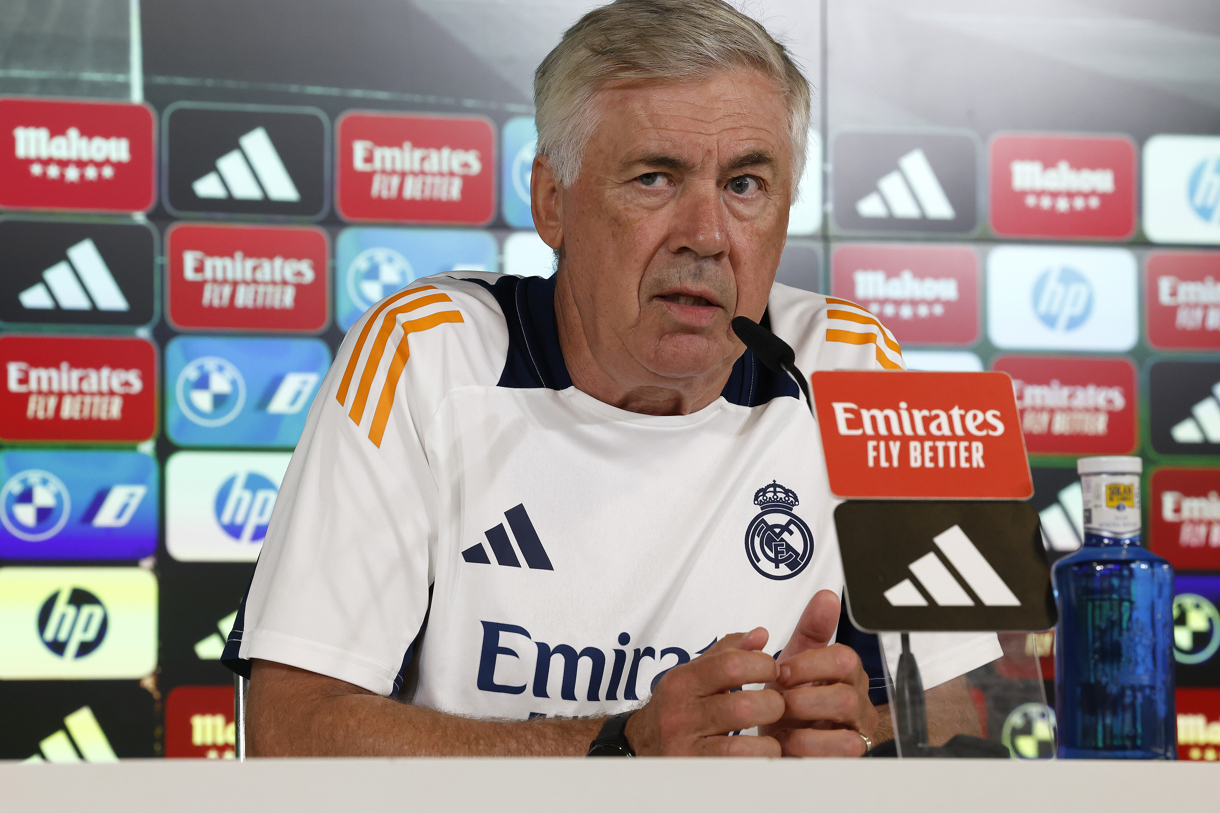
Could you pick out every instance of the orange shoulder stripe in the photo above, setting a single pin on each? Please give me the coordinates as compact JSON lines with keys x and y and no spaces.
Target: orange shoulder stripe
{"x":848,"y":316}
{"x":364,"y":334}
{"x":388,"y":322}
{"x":401,"y":354}
{"x":851,"y":337}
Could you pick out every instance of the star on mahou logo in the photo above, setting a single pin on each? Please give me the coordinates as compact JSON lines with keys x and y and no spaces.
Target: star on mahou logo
{"x":778,"y":543}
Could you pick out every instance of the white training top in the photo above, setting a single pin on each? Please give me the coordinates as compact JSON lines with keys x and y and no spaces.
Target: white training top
{"x":457,"y":511}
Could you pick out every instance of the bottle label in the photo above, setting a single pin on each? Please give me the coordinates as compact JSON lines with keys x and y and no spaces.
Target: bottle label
{"x":1111,"y":503}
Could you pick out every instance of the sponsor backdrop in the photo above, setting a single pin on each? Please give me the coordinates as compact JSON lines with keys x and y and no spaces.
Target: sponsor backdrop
{"x":1009,"y":187}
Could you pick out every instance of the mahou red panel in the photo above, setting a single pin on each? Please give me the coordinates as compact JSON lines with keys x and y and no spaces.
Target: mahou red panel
{"x":248,"y":278}
{"x":60,"y":388}
{"x":415,"y":168}
{"x":1198,"y":713}
{"x":923,"y":294}
{"x":1183,"y":291}
{"x":1079,"y":406}
{"x":1062,"y":186}
{"x":199,"y":722}
{"x":949,"y":436}
{"x":77,"y":156}
{"x":1184,"y":517}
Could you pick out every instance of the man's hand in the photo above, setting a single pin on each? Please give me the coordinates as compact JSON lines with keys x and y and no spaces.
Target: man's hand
{"x":824,"y":687}
{"x":697,"y":704}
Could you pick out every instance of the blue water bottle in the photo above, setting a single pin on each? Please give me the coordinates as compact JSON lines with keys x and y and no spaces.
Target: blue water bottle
{"x":1114,"y":641}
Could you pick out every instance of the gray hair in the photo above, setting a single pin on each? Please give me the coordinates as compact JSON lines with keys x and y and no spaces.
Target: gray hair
{"x":662,"y":40}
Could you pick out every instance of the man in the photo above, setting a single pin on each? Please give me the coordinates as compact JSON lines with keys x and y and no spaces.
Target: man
{"x":529,"y":497}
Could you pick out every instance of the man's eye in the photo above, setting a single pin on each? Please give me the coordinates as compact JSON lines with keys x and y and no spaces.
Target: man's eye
{"x":743,"y":185}
{"x":650,"y":178}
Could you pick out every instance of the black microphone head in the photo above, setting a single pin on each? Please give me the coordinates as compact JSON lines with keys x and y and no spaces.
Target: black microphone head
{"x":771,"y":350}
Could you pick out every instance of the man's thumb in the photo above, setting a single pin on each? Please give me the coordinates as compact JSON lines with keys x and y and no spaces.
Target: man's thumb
{"x":817,"y":625}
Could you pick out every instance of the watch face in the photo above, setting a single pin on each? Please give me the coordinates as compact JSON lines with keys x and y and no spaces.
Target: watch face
{"x":610,"y":749}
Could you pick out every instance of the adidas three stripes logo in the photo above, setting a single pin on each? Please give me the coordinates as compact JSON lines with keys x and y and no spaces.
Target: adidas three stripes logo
{"x":502,"y":547}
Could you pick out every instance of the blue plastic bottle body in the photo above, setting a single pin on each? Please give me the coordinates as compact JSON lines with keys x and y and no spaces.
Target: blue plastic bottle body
{"x":1114,"y":666}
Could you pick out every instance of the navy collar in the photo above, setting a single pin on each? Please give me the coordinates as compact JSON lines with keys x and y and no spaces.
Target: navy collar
{"x":535,"y":359}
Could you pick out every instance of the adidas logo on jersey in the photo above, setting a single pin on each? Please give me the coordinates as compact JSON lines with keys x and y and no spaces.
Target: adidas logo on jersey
{"x":502,"y":548}
{"x":1204,"y":423}
{"x":83,"y":740}
{"x":62,"y":284}
{"x":940,"y":584}
{"x":236,"y":172}
{"x":911,"y":192}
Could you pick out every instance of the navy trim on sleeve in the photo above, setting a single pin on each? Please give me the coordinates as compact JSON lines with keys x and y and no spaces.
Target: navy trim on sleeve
{"x":535,"y":359}
{"x":229,"y":657}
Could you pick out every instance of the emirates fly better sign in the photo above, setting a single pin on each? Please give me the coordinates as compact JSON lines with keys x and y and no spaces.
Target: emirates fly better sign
{"x":948,"y":436}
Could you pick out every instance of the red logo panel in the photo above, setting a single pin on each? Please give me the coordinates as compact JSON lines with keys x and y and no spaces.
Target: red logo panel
{"x":1183,"y":300}
{"x":1184,"y":517}
{"x":248,"y":278}
{"x":59,"y":388}
{"x":80,"y":156}
{"x":199,"y":722}
{"x":924,"y":294}
{"x":1062,"y":186}
{"x":415,"y":168}
{"x":1081,"y":406}
{"x":950,"y":436}
{"x":1198,"y":724}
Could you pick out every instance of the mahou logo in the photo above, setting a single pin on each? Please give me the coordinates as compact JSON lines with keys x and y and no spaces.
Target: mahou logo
{"x":78,"y":389}
{"x":1062,"y":186}
{"x":1074,"y":405}
{"x":1184,"y":517}
{"x":248,"y":278}
{"x":1183,"y":300}
{"x":925,"y":295}
{"x":416,"y":169}
{"x":80,"y":156}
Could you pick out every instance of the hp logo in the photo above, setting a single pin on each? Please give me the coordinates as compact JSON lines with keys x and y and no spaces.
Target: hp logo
{"x":36,"y":505}
{"x":375,"y":274}
{"x":1063,"y":299}
{"x":1204,"y":189}
{"x":72,"y":623}
{"x":243,"y":506}
{"x":211,"y":391}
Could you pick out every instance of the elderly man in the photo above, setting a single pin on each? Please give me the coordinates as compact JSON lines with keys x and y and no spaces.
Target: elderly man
{"x":558,"y":498}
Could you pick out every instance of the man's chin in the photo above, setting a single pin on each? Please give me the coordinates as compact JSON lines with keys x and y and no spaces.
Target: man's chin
{"x":689,"y":355}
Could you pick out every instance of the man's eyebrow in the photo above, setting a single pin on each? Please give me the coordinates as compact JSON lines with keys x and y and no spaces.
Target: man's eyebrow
{"x":755,"y":158}
{"x":659,"y":159}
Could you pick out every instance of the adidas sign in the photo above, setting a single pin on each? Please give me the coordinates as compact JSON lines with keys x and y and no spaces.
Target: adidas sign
{"x":81,"y":739}
{"x":236,"y":172}
{"x":944,"y":589}
{"x":910,"y":192}
{"x":502,"y":548}
{"x":1203,"y":426}
{"x":211,"y":648}
{"x":1063,"y":521}
{"x":80,"y":283}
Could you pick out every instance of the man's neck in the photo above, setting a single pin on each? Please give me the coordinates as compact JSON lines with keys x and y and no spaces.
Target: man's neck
{"x":637,"y":390}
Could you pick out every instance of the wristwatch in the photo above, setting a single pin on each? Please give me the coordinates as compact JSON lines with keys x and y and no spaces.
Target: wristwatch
{"x":611,"y":741}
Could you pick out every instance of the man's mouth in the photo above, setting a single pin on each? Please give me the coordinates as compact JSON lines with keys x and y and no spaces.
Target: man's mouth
{"x":688,"y":299}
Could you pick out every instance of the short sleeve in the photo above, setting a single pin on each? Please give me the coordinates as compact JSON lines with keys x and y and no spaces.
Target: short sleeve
{"x":341,"y":585}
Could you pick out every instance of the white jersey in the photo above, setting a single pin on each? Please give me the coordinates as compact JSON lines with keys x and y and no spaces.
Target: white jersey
{"x":458,"y":512}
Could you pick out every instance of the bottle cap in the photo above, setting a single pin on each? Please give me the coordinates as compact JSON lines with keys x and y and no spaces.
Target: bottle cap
{"x":1117,"y":464}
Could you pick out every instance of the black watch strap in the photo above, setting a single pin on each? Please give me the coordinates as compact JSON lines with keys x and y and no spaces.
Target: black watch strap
{"x":611,"y":741}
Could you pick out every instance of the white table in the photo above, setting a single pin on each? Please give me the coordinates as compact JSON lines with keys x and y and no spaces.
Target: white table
{"x":538,"y":785}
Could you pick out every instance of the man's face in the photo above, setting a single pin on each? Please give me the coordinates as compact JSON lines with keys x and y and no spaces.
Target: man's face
{"x":675,"y":224}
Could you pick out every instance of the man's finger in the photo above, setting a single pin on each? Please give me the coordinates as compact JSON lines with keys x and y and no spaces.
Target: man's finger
{"x":816,"y":627}
{"x":836,"y":703}
{"x":753,"y":641}
{"x":832,"y":664}
{"x":736,"y":711}
{"x":815,"y":742}
{"x":714,"y":673}
{"x":738,"y":746}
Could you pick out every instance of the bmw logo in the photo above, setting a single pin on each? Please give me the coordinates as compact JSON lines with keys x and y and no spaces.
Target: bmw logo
{"x":211,"y":391}
{"x":36,"y":505}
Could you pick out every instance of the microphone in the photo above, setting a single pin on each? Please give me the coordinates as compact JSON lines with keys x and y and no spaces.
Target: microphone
{"x":772,"y":351}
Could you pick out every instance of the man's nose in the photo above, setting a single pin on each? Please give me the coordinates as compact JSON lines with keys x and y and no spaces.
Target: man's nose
{"x":700,"y":223}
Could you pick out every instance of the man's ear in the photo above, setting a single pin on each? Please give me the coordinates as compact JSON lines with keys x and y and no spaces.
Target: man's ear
{"x":546,"y":202}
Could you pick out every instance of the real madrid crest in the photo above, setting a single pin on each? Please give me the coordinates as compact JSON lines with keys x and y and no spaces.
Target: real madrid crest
{"x":778,"y":543}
